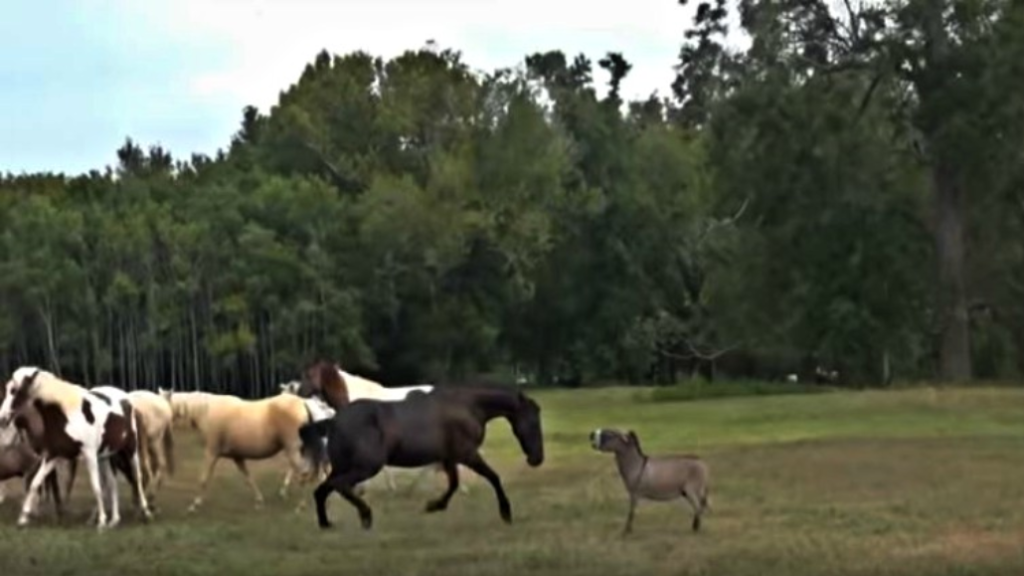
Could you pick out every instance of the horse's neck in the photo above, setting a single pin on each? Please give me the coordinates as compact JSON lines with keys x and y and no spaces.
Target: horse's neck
{"x":494,"y":404}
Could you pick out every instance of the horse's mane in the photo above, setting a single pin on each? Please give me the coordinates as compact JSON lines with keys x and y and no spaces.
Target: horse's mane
{"x":51,"y":389}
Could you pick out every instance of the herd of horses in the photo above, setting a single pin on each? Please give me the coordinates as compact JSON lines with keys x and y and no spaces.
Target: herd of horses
{"x":330,"y":425}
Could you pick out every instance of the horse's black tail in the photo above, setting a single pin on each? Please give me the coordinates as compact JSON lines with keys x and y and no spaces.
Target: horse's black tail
{"x":313,"y":437}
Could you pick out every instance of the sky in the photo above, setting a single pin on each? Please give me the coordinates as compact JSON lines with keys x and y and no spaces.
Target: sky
{"x":78,"y":77}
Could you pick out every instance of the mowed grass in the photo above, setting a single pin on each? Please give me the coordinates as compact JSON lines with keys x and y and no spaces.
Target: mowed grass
{"x":922,"y":481}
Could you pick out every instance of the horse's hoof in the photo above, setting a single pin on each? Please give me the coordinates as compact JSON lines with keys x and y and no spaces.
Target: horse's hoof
{"x":367,"y":522}
{"x":325,"y":525}
{"x":435,"y":506}
{"x":22,"y":521}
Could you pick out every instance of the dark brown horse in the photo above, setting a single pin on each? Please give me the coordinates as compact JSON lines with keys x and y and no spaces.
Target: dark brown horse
{"x":446,"y":426}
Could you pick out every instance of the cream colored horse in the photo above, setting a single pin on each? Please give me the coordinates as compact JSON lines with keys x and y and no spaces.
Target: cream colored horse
{"x":244,"y":430}
{"x":158,"y":442}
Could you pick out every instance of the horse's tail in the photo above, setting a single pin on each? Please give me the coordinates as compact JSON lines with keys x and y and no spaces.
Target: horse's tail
{"x":312,"y":436}
{"x":168,"y":441}
{"x":142,"y":446}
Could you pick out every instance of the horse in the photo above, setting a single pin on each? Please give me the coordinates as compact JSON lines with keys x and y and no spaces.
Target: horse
{"x":98,"y":426}
{"x":446,"y":426}
{"x":158,"y":440}
{"x":242,"y":430}
{"x":28,"y":428}
{"x":318,"y":410}
{"x":338,"y":388}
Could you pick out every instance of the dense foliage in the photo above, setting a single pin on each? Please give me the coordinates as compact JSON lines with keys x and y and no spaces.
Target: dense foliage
{"x":851,"y":186}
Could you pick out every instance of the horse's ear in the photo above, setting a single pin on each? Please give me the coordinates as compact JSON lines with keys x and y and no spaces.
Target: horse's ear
{"x":631,"y":436}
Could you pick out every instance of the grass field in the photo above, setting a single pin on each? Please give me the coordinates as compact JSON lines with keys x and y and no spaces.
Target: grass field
{"x":922,"y":481}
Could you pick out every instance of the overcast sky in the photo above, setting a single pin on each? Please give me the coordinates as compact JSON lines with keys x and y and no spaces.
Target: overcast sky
{"x":80,"y":76}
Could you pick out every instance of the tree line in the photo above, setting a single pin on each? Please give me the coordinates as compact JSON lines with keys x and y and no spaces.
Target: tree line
{"x":847,"y":191}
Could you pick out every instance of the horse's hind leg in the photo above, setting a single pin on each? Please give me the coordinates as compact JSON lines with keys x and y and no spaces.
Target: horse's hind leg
{"x":450,"y":468}
{"x":477,"y":464}
{"x":240,"y":464}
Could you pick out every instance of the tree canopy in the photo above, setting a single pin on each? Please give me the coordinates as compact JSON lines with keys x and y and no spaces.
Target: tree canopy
{"x":849,"y":188}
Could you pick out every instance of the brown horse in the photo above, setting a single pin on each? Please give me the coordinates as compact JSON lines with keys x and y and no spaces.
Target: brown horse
{"x":446,"y":426}
{"x":339,"y":388}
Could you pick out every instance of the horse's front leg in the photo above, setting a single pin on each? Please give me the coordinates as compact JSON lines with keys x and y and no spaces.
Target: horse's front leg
{"x":204,"y":478}
{"x":29,"y":503}
{"x":92,"y":463}
{"x":240,"y":464}
{"x":476,"y":464}
{"x":451,"y":469}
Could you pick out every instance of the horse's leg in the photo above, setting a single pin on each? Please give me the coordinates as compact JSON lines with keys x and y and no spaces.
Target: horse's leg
{"x":29,"y":503}
{"x":296,"y":465}
{"x":344,"y":483}
{"x":477,"y":464}
{"x":209,"y":465}
{"x":240,"y":464}
{"x":110,"y":487}
{"x":134,"y":474}
{"x":72,"y":467}
{"x":453,"y":485}
{"x":54,"y":488}
{"x":92,"y":463}
{"x":3,"y":492}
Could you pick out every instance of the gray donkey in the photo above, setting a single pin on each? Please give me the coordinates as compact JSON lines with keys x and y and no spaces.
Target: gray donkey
{"x":658,"y":478}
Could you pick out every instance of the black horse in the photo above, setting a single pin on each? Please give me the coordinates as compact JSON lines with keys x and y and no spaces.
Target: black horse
{"x":445,"y":427}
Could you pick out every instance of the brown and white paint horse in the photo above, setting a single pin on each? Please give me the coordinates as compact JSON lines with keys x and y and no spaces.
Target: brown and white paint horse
{"x":78,"y":423}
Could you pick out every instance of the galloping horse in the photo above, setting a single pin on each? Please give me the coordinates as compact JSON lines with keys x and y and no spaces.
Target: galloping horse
{"x":446,"y":426}
{"x":98,"y":426}
{"x":243,"y":430}
{"x":338,"y":388}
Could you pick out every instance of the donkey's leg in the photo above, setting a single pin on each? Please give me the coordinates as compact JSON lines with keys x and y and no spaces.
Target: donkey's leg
{"x":240,"y":464}
{"x":698,"y":509}
{"x":453,"y":485}
{"x":204,"y":478}
{"x":476,"y":464}
{"x":28,"y":505}
{"x":629,"y":515}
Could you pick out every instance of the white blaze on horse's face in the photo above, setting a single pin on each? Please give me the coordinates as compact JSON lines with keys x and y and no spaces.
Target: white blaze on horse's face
{"x":595,"y":439}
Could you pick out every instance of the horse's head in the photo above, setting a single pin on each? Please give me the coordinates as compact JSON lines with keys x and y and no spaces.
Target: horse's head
{"x":527,"y":428}
{"x":324,"y":378}
{"x":17,"y":391}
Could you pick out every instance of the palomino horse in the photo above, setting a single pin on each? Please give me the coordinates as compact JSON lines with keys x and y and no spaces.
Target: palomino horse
{"x":159,"y":439}
{"x":446,"y":426}
{"x":97,"y":426}
{"x":339,"y":388}
{"x":242,"y":430}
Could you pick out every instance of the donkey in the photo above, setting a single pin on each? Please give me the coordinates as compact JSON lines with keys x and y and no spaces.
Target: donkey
{"x":658,"y":478}
{"x":78,"y":422}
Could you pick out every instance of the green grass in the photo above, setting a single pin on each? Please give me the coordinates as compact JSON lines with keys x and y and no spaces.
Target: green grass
{"x":917,"y":481}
